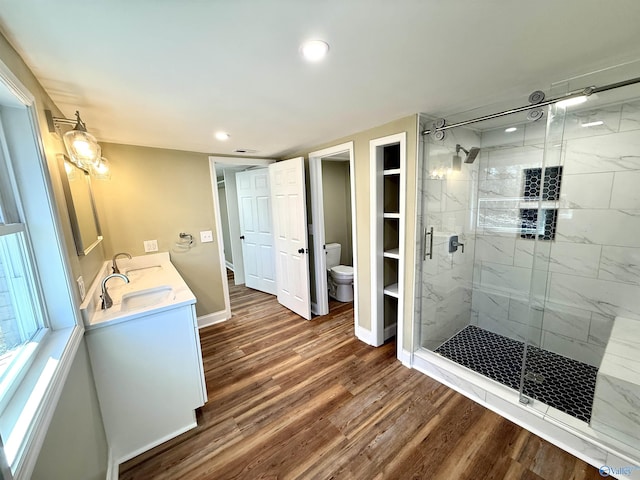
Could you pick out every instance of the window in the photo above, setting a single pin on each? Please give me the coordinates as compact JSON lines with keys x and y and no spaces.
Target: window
{"x":40,"y":325}
{"x":21,"y":318}
{"x":22,"y":325}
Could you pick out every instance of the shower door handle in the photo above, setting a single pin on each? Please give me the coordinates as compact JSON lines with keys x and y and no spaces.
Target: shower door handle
{"x":430,"y":252}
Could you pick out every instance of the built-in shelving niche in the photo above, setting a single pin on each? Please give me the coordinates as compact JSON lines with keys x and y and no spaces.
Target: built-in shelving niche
{"x":387,"y":235}
{"x":540,"y":223}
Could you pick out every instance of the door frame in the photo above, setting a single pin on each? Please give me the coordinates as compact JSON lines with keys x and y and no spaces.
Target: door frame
{"x":321,"y":306}
{"x":216,"y":210}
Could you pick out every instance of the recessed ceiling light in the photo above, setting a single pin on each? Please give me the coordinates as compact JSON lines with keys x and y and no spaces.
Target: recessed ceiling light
{"x":314,"y":50}
{"x":510,"y":129}
{"x":222,"y":136}
{"x":592,"y":124}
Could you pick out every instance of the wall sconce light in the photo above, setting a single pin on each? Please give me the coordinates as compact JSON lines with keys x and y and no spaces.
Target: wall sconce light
{"x":83,"y":148}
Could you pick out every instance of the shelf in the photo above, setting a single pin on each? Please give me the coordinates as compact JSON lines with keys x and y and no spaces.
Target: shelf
{"x":534,"y":204}
{"x":392,"y":171}
{"x":391,"y":215}
{"x":391,"y":290}
{"x":392,"y":253}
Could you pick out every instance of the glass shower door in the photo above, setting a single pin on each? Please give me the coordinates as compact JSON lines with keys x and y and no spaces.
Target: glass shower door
{"x":476,"y":299}
{"x":592,"y":278}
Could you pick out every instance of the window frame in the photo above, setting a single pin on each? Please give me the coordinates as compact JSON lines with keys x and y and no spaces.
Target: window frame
{"x":26,"y":418}
{"x":23,"y":357}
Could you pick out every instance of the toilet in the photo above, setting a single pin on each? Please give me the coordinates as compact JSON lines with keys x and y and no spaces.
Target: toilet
{"x":340,"y":277}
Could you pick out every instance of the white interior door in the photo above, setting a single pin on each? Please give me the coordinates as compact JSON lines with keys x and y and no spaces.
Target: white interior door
{"x":254,"y":208}
{"x":234,"y":226}
{"x":290,"y":232}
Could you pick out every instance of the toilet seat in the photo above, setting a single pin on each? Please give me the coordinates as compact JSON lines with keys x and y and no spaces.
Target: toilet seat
{"x":342,"y":272}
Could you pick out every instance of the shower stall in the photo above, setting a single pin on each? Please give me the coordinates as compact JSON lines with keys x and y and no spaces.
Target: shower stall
{"x":528,"y":266}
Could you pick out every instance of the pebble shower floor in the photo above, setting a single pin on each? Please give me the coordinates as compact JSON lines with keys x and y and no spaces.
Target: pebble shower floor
{"x":558,"y":381}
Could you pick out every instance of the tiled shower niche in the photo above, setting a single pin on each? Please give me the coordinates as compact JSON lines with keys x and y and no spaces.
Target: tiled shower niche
{"x":550,"y":187}
{"x":545,"y":226}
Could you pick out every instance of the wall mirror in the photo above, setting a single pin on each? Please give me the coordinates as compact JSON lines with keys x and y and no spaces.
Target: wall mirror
{"x":76,"y":183}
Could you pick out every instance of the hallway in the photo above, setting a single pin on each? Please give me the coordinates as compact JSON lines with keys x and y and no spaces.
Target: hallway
{"x":290,"y":398}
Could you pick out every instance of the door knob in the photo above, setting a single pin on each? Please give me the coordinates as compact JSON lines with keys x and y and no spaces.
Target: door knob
{"x":241,"y":237}
{"x":301,"y":250}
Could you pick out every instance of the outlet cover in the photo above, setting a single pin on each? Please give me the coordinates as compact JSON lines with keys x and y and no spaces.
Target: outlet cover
{"x":150,"y":246}
{"x":206,"y":237}
{"x":81,"y":289}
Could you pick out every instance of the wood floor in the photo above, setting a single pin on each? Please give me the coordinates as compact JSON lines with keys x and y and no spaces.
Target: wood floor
{"x":290,"y":398}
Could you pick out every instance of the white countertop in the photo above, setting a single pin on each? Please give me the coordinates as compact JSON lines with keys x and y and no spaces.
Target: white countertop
{"x":149,"y":275}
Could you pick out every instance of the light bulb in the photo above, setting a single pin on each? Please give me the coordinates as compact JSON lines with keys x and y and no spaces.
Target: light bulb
{"x":314,"y":50}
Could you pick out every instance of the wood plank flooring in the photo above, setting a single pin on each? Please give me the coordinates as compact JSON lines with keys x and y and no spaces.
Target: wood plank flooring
{"x":290,"y":398}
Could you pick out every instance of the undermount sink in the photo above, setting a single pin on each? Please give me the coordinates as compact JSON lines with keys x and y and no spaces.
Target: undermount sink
{"x":155,"y":286}
{"x":145,"y":298}
{"x":133,"y":273}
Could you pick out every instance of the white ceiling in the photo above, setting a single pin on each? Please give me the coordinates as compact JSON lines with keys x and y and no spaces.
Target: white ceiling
{"x":169,"y":73}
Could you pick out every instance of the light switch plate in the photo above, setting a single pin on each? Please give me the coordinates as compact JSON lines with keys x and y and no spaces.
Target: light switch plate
{"x":206,"y":236}
{"x":150,"y":246}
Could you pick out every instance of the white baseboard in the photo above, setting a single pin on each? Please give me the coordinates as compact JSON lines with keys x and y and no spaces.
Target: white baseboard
{"x":364,"y":335}
{"x":405,"y":358}
{"x":390,"y":331}
{"x":178,"y":432}
{"x":213,"y":318}
{"x":113,"y":468}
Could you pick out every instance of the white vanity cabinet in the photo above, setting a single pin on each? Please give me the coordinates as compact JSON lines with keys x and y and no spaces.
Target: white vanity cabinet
{"x":149,"y":375}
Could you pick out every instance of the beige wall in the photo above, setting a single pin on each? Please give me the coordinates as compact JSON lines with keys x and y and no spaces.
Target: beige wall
{"x":155,"y":194}
{"x":363,"y":214}
{"x":336,"y":192}
{"x":88,"y":452}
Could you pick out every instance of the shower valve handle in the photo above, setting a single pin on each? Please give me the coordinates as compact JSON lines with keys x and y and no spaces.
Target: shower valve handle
{"x":454,"y":244}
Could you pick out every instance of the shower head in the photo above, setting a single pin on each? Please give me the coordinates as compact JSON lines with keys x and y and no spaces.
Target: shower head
{"x":470,"y":154}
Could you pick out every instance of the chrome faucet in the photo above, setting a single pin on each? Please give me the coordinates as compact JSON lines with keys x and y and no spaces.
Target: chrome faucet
{"x":114,"y":266}
{"x":106,"y":299}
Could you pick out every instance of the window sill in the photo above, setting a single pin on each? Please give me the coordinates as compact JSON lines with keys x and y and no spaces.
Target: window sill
{"x":24,"y":423}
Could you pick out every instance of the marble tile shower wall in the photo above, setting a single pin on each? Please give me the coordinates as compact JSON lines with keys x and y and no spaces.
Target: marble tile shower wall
{"x":445,"y":286}
{"x":592,"y":269}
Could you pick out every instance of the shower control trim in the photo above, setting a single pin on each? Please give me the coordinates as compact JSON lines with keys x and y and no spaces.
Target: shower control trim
{"x":454,"y":244}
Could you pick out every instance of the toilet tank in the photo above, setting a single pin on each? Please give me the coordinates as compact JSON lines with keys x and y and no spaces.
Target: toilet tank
{"x":333,"y":254}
